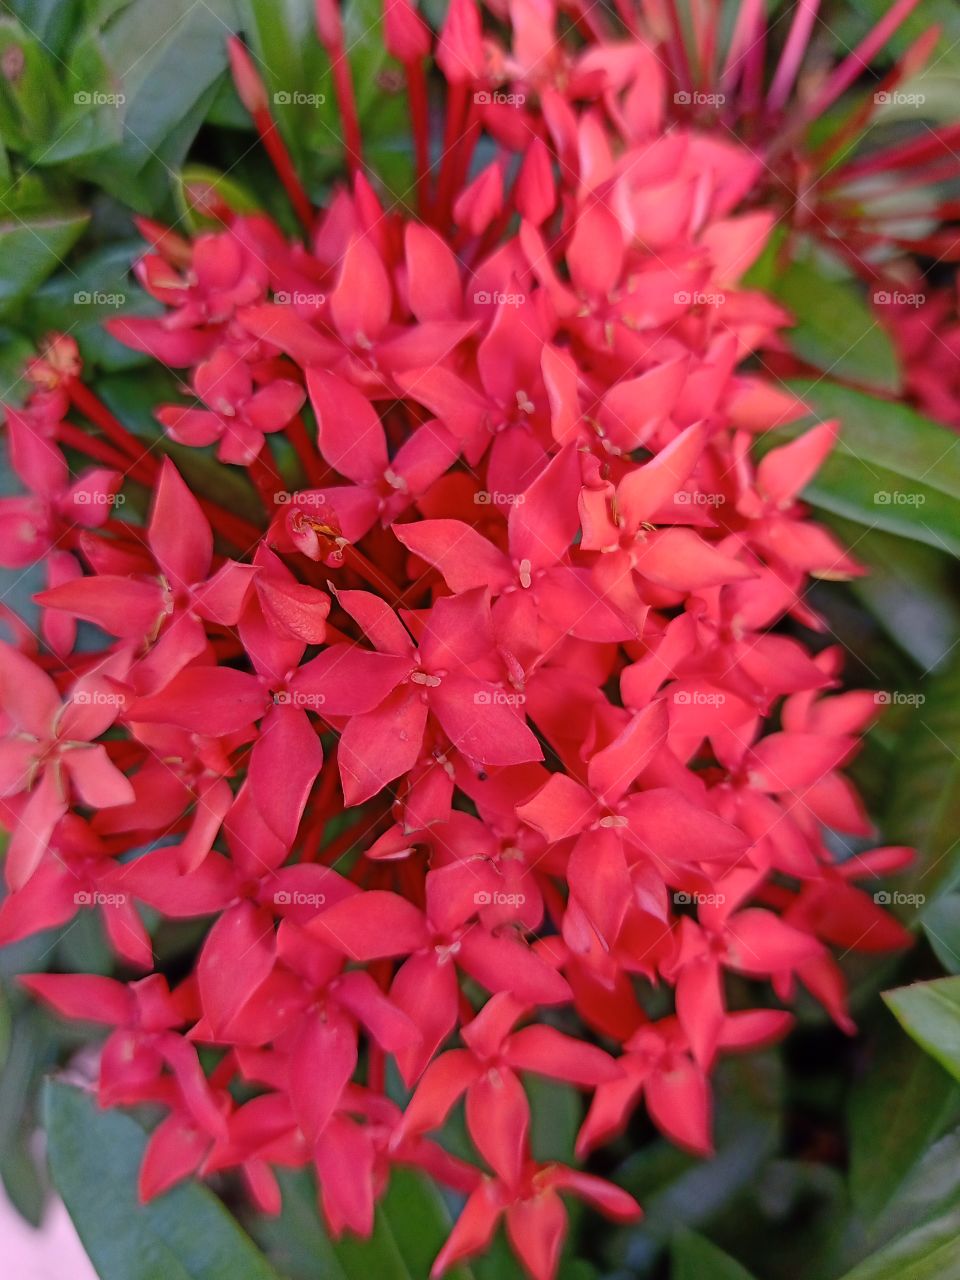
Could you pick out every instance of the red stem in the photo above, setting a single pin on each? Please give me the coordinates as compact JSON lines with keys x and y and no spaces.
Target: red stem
{"x":420,"y":121}
{"x":315,"y":469}
{"x":346,"y":101}
{"x":284,"y":166}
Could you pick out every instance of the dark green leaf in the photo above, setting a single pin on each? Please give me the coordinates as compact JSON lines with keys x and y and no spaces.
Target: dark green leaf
{"x":912,"y":590}
{"x":695,"y":1258}
{"x":924,"y":808}
{"x":930,"y":1251}
{"x":930,"y":1012}
{"x":892,"y":468}
{"x":186,"y":1234}
{"x":95,"y":289}
{"x":411,"y":1226}
{"x":32,"y":248}
{"x":168,"y":61}
{"x":900,"y":1105}
{"x":835,"y":329}
{"x":941,"y":924}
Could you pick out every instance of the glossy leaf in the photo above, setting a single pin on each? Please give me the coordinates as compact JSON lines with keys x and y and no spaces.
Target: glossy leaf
{"x":188,"y":1234}
{"x":930,"y":1251}
{"x":411,"y":1226}
{"x":924,"y":808}
{"x":835,"y":329}
{"x":892,"y":468}
{"x":33,"y":248}
{"x":930,"y":1012}
{"x":897,"y":1108}
{"x":695,"y":1258}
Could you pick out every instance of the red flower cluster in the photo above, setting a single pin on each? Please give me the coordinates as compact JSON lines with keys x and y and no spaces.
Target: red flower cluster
{"x":490,"y":728}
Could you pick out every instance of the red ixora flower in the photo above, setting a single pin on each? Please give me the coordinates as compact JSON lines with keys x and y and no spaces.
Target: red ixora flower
{"x":506,"y":713}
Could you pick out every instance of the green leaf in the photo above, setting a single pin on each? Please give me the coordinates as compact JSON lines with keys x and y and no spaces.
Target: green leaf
{"x":835,"y":329}
{"x":168,"y":61}
{"x":924,"y":808}
{"x":297,"y":73}
{"x":199,"y":186}
{"x":930,"y":1251}
{"x":556,"y":1113}
{"x":892,"y":468}
{"x":900,"y":1105}
{"x":941,"y":924}
{"x":695,"y":1258}
{"x":96,"y":288}
{"x":942,"y":13}
{"x":912,"y":590}
{"x":32,"y":248}
{"x":930,"y":1012}
{"x":186,"y":1234}
{"x":410,"y":1228}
